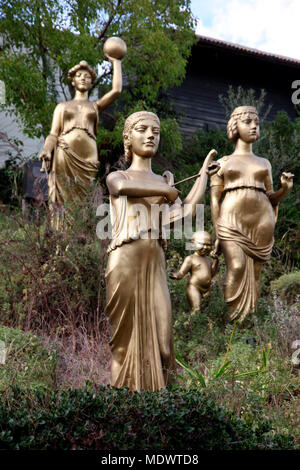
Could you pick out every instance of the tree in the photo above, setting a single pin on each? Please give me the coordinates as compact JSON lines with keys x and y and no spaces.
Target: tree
{"x":43,"y":40}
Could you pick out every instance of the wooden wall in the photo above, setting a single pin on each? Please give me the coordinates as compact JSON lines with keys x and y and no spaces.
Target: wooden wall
{"x":212,"y":69}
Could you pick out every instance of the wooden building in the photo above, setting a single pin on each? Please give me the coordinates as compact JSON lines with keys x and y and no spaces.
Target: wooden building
{"x":216,"y":64}
{"x":212,"y":67}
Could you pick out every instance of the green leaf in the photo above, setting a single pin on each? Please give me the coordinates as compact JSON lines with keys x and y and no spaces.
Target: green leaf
{"x":251,"y":372}
{"x":43,"y":40}
{"x":222,"y":370}
{"x":194,"y":374}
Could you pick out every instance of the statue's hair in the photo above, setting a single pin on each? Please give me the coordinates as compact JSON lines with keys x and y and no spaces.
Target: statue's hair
{"x":130,"y":122}
{"x":201,"y":234}
{"x":82,"y":65}
{"x":238,"y":113}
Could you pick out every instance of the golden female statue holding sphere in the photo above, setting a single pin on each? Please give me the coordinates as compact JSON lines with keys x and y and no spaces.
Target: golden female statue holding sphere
{"x":244,"y":211}
{"x":70,"y":152}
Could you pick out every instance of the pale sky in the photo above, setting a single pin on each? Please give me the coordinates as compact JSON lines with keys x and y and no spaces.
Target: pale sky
{"x":268,"y":25}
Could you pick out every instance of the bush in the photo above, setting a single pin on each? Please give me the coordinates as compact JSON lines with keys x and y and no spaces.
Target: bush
{"x":52,"y":280}
{"x":117,"y":419}
{"x":27,"y":362}
{"x":287,"y":286}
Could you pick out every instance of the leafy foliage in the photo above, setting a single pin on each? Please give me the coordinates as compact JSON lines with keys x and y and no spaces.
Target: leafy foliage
{"x":54,"y":284}
{"x":91,"y":419}
{"x":244,"y":97}
{"x":53,"y":280}
{"x":223,"y":369}
{"x":27,"y":362}
{"x":43,"y":40}
{"x":288,"y":286}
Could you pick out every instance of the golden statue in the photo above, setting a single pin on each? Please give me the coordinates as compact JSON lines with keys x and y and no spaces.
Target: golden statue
{"x":70,"y":151}
{"x":201,"y":269}
{"x":244,"y":211}
{"x":138,"y":302}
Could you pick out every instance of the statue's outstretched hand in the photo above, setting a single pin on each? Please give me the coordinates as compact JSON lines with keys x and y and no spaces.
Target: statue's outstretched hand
{"x":173,"y":275}
{"x":45,"y":156}
{"x":217,"y":249}
{"x":172,"y":194}
{"x":169,"y":177}
{"x":213,"y":168}
{"x":287,"y":181}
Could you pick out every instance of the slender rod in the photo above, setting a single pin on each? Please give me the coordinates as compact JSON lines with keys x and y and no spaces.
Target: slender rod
{"x":186,"y":179}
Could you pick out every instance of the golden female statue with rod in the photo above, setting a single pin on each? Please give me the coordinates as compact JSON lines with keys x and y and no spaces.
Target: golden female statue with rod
{"x":70,"y":151}
{"x":138,"y":302}
{"x":244,"y":211}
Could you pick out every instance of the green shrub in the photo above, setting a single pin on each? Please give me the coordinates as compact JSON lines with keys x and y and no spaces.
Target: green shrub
{"x":52,"y":279}
{"x":117,"y":419}
{"x":27,"y":362}
{"x":287,"y":286}
{"x":255,"y":379}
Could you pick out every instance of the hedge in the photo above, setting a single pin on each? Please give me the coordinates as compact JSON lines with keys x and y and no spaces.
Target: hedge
{"x":106,"y":418}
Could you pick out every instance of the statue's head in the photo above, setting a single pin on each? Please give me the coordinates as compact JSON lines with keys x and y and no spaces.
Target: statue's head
{"x":141,"y":134}
{"x":82,"y":74}
{"x":243,"y":123}
{"x":202,"y":241}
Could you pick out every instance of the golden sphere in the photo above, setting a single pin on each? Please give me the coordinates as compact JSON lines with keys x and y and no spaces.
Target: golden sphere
{"x":115,"y":47}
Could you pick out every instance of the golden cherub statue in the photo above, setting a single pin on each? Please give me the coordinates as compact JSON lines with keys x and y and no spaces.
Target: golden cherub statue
{"x":201,"y":270}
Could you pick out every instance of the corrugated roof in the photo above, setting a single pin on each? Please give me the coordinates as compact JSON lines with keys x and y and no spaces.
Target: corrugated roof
{"x":249,"y":50}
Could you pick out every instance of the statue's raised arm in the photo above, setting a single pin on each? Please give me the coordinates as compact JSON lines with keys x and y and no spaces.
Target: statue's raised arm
{"x":70,"y":151}
{"x":114,"y":50}
{"x":187,"y":208}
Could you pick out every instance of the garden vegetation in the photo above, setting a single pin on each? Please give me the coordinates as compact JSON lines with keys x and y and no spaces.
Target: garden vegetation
{"x":237,"y":386}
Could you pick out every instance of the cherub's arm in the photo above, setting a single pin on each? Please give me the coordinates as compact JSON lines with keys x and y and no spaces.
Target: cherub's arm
{"x":185,"y":268}
{"x":113,"y":94}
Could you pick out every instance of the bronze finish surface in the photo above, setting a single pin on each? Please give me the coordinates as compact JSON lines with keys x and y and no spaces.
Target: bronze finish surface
{"x":138,"y":302}
{"x":244,"y":210}
{"x":201,"y":270}
{"x":70,"y":151}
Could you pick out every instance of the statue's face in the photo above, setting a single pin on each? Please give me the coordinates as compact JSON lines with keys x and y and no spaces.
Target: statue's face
{"x":82,"y":80}
{"x":248,"y":128}
{"x":202,"y":244}
{"x":144,"y":137}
